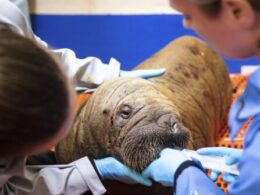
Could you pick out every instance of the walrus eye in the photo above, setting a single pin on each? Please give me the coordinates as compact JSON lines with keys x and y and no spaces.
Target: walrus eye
{"x":125,"y":112}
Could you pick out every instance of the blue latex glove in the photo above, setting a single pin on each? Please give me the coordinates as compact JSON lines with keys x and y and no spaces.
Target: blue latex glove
{"x":145,"y":74}
{"x":89,"y":85}
{"x":162,"y":170}
{"x":110,"y":168}
{"x":232,"y":157}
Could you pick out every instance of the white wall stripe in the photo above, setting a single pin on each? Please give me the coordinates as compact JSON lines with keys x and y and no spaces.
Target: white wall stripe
{"x":101,"y":7}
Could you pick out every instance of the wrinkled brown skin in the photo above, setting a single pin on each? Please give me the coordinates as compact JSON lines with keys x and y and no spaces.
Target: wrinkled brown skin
{"x":132,"y":119}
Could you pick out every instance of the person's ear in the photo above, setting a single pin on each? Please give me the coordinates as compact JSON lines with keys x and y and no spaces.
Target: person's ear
{"x":241,"y":12}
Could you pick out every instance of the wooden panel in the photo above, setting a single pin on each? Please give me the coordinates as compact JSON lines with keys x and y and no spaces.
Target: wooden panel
{"x":101,"y":7}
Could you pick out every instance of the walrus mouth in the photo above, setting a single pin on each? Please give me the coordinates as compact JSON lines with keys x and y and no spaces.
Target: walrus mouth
{"x":140,"y":147}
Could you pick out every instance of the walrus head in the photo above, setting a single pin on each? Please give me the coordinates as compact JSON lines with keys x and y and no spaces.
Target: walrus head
{"x":128,"y":118}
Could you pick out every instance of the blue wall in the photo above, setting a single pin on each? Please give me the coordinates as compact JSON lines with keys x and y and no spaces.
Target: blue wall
{"x":130,"y":39}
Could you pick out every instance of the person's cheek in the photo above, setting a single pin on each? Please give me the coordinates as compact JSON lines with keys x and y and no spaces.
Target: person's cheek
{"x":187,"y":22}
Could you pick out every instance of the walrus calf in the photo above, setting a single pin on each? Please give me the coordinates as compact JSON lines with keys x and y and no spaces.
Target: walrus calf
{"x":133,"y":119}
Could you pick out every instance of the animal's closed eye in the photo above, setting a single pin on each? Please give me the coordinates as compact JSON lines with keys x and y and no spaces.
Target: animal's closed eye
{"x":125,"y":111}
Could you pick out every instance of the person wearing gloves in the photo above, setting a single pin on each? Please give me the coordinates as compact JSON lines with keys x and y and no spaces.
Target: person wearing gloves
{"x":233,"y":28}
{"x":36,"y":111}
{"x":89,"y":72}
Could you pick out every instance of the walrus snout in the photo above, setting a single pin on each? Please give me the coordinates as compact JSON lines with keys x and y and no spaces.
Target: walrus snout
{"x":171,"y":124}
{"x":144,"y":142}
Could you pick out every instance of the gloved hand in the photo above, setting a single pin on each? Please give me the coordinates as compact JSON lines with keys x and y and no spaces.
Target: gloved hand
{"x":232,"y":157}
{"x":145,"y":74}
{"x":110,"y":168}
{"x":162,"y":170}
{"x":93,"y":72}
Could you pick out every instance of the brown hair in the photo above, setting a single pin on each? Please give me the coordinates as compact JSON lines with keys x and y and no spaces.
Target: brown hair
{"x":34,"y":96}
{"x":212,"y":9}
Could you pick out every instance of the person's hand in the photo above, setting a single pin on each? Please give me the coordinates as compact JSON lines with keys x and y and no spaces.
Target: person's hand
{"x":110,"y":168}
{"x":145,"y":74}
{"x":162,"y":170}
{"x":231,"y":155}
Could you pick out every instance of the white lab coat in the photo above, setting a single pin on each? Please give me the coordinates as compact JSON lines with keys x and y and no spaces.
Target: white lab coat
{"x":95,"y":72}
{"x":74,"y":178}
{"x":79,"y":176}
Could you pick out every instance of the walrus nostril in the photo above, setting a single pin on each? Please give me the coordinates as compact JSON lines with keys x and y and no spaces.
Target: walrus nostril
{"x":175,"y":128}
{"x":105,"y":112}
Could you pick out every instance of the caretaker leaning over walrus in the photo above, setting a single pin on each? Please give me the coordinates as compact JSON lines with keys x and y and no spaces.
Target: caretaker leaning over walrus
{"x":134,"y":119}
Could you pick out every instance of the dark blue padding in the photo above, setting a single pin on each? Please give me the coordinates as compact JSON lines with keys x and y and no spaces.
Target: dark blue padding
{"x":129,"y":38}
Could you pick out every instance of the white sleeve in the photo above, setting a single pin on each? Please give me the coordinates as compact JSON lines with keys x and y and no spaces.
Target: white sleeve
{"x":91,"y":70}
{"x":76,"y":178}
{"x":96,"y":72}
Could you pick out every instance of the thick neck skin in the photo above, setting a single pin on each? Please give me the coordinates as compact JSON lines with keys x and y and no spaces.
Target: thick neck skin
{"x":234,"y":31}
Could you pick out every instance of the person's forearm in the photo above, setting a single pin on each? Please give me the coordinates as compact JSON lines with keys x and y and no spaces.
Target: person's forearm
{"x":248,"y":180}
{"x":76,"y":178}
{"x":193,"y":181}
{"x":85,"y":174}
